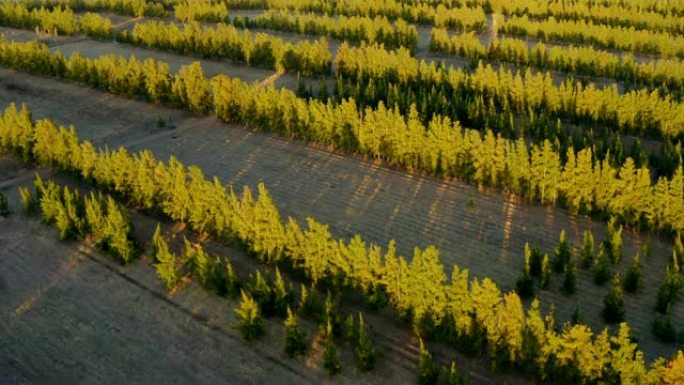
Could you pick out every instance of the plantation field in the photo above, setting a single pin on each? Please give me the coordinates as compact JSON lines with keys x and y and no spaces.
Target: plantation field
{"x":477,"y":229}
{"x":316,"y":191}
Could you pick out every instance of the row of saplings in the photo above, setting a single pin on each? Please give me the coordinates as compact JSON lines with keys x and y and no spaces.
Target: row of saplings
{"x":100,"y":218}
{"x":264,"y":296}
{"x":538,"y":269}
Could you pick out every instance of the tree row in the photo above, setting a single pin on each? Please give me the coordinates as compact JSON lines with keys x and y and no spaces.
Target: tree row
{"x":472,"y":314}
{"x":355,"y":29}
{"x":615,"y":14}
{"x":137,"y":8}
{"x":441,"y":147}
{"x":666,"y":73}
{"x":581,"y":32}
{"x":54,"y":21}
{"x":211,"y":11}
{"x":464,"y":19}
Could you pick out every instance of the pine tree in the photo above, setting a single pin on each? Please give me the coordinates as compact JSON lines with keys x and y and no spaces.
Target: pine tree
{"x":331,"y":360}
{"x":166,"y":263}
{"x":632,"y":280}
{"x":261,"y":290}
{"x":295,"y":337}
{"x":4,"y":206}
{"x":614,"y":242}
{"x":282,"y":295}
{"x":524,"y":286}
{"x":576,"y":317}
{"x":562,"y":254}
{"x":545,"y":279}
{"x":587,"y":252}
{"x":535,"y":257}
{"x":451,"y":376}
{"x":569,"y":278}
{"x":311,"y":303}
{"x":663,"y":329}
{"x":669,"y":290}
{"x":231,"y":280}
{"x":428,"y":373}
{"x":613,"y":303}
{"x":250,"y":322}
{"x":601,"y":269}
{"x":364,"y":350}
{"x":28,"y":202}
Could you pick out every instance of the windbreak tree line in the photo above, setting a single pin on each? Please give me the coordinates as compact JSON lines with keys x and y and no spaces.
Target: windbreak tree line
{"x":581,"y":32}
{"x":666,"y":73}
{"x":55,"y":21}
{"x":459,"y":310}
{"x":211,"y":11}
{"x":441,"y":147}
{"x":226,"y":41}
{"x":663,"y":16}
{"x":137,"y":8}
{"x":355,"y":29}
{"x":463,"y":19}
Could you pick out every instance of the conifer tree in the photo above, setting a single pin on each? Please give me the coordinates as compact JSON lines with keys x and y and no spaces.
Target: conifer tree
{"x":262,"y":293}
{"x":451,"y":376}
{"x":601,"y":269}
{"x":295,"y":337}
{"x":28,"y":202}
{"x":614,"y":242}
{"x":632,"y":280}
{"x":331,"y":360}
{"x":231,"y":280}
{"x":587,"y":251}
{"x":282,"y":295}
{"x":535,"y":257}
{"x":669,"y":290}
{"x":4,"y":206}
{"x":613,"y":303}
{"x":428,"y":372}
{"x":250,"y":322}
{"x":545,"y":279}
{"x":166,"y":263}
{"x":663,"y":329}
{"x":364,"y":349}
{"x":576,"y":317}
{"x":569,"y":278}
{"x":524,"y":286}
{"x":562,"y":254}
{"x":311,"y":303}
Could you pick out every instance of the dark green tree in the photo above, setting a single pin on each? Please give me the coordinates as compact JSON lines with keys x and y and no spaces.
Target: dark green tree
{"x":524,"y":285}
{"x":331,"y":359}
{"x":451,"y":376}
{"x":569,"y":284}
{"x":613,"y":302}
{"x":587,"y":251}
{"x":428,"y":372}
{"x":364,"y":349}
{"x":669,"y":290}
{"x":295,"y":337}
{"x":601,"y":269}
{"x":545,"y":278}
{"x":562,"y":254}
{"x":4,"y":206}
{"x":632,"y":280}
{"x":231,"y":280}
{"x":663,"y":329}
{"x":250,"y":322}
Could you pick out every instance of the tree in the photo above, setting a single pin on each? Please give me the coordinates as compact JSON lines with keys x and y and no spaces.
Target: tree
{"x":614,"y":242}
{"x":331,"y":360}
{"x":231,"y":280}
{"x":613,"y":302}
{"x":601,"y":269}
{"x":28,"y":202}
{"x":569,"y":278}
{"x":632,"y":280}
{"x":562,"y":254}
{"x":166,"y":263}
{"x":250,"y":322}
{"x":524,"y":285}
{"x":364,"y":349}
{"x":674,"y":372}
{"x":282,"y":295}
{"x":663,"y":329}
{"x":451,"y":376}
{"x":587,"y":251}
{"x":4,"y":207}
{"x":669,"y":290}
{"x":428,"y":372}
{"x":545,"y":279}
{"x":295,"y":337}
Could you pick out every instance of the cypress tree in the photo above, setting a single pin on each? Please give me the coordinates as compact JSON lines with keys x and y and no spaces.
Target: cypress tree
{"x":562,"y":254}
{"x":231,"y":280}
{"x":166,"y":263}
{"x":451,"y":376}
{"x":250,"y":322}
{"x":524,"y":286}
{"x":663,"y":329}
{"x":4,"y":206}
{"x":364,"y":350}
{"x":331,"y":360}
{"x":601,"y":269}
{"x":535,"y":257}
{"x":282,"y":295}
{"x":614,"y":242}
{"x":613,"y":302}
{"x":632,"y":280}
{"x":587,"y":251}
{"x":428,"y":373}
{"x":262,"y":293}
{"x":576,"y":317}
{"x":295,"y":337}
{"x":670,"y":288}
{"x":545,"y":279}
{"x":569,"y":279}
{"x":28,"y":202}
